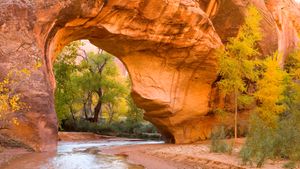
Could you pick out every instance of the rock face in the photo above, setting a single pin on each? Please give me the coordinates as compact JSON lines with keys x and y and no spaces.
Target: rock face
{"x":167,"y":46}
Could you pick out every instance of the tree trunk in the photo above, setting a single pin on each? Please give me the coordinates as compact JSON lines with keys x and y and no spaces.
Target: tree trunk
{"x":73,"y":116}
{"x":87,"y":106}
{"x":85,"y":111}
{"x":72,"y":113}
{"x":235,"y":114}
{"x":111,"y":113}
{"x":98,"y":108}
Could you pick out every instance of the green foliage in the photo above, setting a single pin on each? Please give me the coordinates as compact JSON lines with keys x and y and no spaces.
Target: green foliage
{"x":290,"y":165}
{"x":218,"y":141}
{"x":87,"y":80}
{"x":116,"y":128}
{"x":237,"y":64}
{"x":135,"y":114}
{"x":266,"y":137}
{"x":260,"y":142}
{"x":265,"y":142}
{"x":67,"y":92}
{"x":274,"y":128}
{"x":236,"y":61}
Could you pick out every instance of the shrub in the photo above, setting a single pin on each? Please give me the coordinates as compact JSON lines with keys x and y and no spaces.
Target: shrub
{"x":117,"y":128}
{"x":264,"y":142}
{"x":290,"y":165}
{"x":218,"y":141}
{"x":259,"y":144}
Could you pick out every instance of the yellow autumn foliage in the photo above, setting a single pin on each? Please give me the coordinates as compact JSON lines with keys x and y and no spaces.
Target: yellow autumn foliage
{"x":10,"y":100}
{"x":270,"y":89}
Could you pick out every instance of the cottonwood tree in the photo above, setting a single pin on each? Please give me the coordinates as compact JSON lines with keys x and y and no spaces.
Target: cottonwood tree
{"x":115,"y":92}
{"x":237,"y":61}
{"x":274,"y":130}
{"x":89,"y":85}
{"x":67,"y":92}
{"x":96,"y":69}
{"x":270,"y":91}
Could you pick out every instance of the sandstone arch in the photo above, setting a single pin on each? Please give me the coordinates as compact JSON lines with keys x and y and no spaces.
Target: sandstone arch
{"x":167,"y":46}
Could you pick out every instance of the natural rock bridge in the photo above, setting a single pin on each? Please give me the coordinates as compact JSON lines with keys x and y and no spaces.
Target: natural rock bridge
{"x":167,"y":46}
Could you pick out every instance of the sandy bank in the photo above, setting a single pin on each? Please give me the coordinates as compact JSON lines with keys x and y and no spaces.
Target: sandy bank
{"x":156,"y":156}
{"x":87,"y":136}
{"x":189,"y":156}
{"x":81,"y":136}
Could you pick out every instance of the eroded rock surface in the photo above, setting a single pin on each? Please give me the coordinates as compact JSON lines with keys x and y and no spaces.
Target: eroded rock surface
{"x":167,"y":46}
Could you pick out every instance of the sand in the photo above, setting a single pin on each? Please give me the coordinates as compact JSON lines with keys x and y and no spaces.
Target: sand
{"x":188,"y":156}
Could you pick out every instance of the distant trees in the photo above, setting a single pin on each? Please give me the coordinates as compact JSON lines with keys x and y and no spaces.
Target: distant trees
{"x":86,"y":81}
{"x":100,"y":80}
{"x":89,"y":86}
{"x":135,"y":114}
{"x":67,"y":93}
{"x":237,"y":62}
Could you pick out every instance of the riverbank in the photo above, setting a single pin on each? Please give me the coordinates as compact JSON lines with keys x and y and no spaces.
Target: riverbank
{"x":88,"y":136}
{"x":151,"y":156}
{"x":81,"y":136}
{"x":11,"y":150}
{"x":188,"y":156}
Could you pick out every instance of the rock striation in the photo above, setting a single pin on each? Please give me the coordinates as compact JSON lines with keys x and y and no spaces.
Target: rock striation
{"x":167,"y":46}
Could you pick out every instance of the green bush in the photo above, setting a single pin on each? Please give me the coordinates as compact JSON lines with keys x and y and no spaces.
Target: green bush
{"x":290,"y":165}
{"x":218,"y":141}
{"x":260,"y":143}
{"x":264,"y":142}
{"x":125,"y":128}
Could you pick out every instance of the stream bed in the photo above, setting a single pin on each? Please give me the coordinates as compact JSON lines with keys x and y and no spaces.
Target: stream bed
{"x":77,"y":155}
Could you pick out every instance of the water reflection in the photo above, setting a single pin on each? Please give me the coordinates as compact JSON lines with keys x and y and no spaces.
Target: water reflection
{"x":77,"y":155}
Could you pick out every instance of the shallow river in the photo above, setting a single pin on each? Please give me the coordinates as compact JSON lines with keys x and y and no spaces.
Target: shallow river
{"x":77,"y":155}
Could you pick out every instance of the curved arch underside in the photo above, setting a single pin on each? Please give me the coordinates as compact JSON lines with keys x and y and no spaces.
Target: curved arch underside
{"x":167,"y":46}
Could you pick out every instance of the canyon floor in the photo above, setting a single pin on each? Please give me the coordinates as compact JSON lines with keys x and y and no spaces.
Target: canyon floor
{"x":186,"y":156}
{"x":157,"y":156}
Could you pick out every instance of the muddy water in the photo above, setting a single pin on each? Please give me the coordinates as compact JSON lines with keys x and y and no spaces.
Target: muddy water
{"x":77,"y":155}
